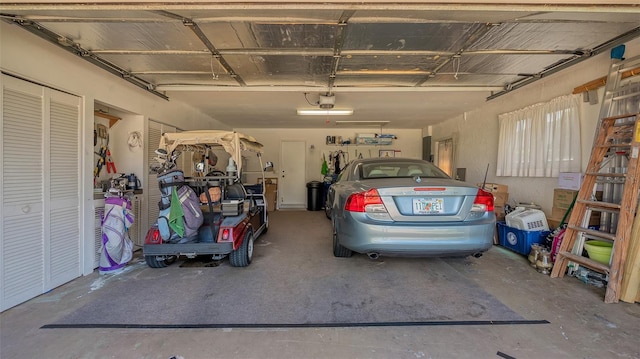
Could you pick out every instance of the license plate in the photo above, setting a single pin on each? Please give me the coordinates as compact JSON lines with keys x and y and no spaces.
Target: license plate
{"x":428,"y":206}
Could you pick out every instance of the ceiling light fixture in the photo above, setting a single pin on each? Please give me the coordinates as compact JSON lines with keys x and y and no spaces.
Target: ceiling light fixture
{"x":325,"y":112}
{"x":363,"y":123}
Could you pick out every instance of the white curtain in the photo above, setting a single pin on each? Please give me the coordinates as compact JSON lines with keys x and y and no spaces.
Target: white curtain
{"x":541,"y":140}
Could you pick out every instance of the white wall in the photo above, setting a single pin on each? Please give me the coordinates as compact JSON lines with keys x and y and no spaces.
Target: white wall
{"x":409,"y":143}
{"x":25,"y":55}
{"x":477,"y":131}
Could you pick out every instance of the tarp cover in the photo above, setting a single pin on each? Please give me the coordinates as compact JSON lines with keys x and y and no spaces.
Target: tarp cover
{"x":232,"y":142}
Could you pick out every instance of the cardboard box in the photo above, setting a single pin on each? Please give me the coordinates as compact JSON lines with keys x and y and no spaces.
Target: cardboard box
{"x":500,"y":199}
{"x":271,"y":196}
{"x":268,"y":180}
{"x":558,"y":212}
{"x":562,"y":198}
{"x":494,"y":187}
{"x":553,"y":223}
{"x":570,"y":180}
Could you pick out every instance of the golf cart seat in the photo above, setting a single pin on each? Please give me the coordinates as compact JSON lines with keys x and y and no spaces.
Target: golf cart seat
{"x":236,"y":191}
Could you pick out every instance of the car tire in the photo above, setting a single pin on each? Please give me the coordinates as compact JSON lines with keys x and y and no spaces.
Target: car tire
{"x":338,"y":249}
{"x":242,"y":256}
{"x":327,"y":210}
{"x":154,"y":262}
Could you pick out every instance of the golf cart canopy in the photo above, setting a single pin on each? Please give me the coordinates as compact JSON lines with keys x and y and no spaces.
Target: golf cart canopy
{"x":202,"y":140}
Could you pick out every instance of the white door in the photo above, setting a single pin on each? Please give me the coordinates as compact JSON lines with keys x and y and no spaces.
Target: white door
{"x":292,"y":186}
{"x":62,"y":189}
{"x":39,"y":190}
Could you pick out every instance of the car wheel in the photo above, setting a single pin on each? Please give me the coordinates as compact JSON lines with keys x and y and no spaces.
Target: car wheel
{"x":338,"y":249}
{"x":154,"y":262}
{"x":327,"y":210}
{"x":242,"y":256}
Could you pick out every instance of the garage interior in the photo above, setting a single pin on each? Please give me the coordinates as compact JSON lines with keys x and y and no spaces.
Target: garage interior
{"x":422,"y":80}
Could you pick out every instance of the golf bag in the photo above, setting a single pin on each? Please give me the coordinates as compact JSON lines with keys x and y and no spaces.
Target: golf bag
{"x":179,"y":214}
{"x":117,"y":247}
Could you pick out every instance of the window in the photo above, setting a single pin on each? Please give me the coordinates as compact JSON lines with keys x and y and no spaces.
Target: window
{"x":400,"y":170}
{"x":540,"y":140}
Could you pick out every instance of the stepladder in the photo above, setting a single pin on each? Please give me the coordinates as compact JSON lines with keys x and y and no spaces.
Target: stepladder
{"x":616,"y":136}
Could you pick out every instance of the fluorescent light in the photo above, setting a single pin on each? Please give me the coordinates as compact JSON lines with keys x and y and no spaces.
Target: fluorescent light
{"x":328,"y":112}
{"x":362,"y":123}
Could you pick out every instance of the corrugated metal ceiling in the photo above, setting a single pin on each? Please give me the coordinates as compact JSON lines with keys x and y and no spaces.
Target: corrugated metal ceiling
{"x":192,"y":52}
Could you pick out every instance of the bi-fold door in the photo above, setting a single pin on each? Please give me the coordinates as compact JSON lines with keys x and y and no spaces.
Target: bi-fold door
{"x":39,"y":190}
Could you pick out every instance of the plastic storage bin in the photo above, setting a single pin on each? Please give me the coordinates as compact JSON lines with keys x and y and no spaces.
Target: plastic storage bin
{"x":527,"y":219}
{"x":518,"y":240}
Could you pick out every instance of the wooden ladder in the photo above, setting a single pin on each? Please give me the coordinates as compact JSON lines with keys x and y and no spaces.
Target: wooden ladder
{"x":617,"y":134}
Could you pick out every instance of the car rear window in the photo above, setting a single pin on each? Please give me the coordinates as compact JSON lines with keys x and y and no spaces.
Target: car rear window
{"x":400,"y":169}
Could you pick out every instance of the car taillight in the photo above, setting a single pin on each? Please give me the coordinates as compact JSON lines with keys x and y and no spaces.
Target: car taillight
{"x":153,"y":236}
{"x":483,"y":201}
{"x":225,"y":234}
{"x":368,"y":201}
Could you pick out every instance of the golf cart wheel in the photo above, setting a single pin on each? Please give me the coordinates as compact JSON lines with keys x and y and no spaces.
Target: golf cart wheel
{"x":338,"y":249}
{"x":241,"y":257}
{"x":266,"y":227}
{"x":154,"y":262}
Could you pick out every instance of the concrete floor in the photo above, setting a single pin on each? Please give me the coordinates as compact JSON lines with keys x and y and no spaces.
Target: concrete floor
{"x":581,"y":324}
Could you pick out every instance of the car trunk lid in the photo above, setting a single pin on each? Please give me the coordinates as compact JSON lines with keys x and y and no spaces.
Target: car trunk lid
{"x":438,"y":201}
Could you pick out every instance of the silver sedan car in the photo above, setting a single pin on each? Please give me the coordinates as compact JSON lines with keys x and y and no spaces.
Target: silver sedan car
{"x":407,"y":207}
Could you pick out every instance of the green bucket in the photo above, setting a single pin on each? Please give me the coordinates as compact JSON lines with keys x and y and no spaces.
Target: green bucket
{"x":599,"y":251}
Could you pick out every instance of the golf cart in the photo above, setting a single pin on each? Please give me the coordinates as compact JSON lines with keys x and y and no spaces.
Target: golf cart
{"x":211,"y":213}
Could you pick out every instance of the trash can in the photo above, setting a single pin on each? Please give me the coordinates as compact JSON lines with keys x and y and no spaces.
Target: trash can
{"x":314,"y":196}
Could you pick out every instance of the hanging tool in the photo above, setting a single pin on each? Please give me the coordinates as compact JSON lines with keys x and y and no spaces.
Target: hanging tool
{"x":101,"y":160}
{"x":110,"y":164}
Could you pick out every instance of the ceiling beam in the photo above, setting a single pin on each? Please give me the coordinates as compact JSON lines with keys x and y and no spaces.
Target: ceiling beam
{"x":217,"y":88}
{"x":586,"y":6}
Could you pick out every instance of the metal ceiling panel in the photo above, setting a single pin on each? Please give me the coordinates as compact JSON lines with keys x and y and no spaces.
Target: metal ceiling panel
{"x":129,"y":36}
{"x":83,"y":15}
{"x":408,"y":37}
{"x":190,"y":79}
{"x":282,"y":15}
{"x":503,"y":64}
{"x":255,"y":36}
{"x":282,"y":70}
{"x":459,"y":15}
{"x":377,"y":81}
{"x":141,"y":63}
{"x":294,"y":35}
{"x":550,"y":36}
{"x":471,"y":80}
{"x":389,"y":64}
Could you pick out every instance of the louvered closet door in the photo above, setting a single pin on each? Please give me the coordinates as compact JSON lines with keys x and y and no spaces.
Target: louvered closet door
{"x":39,"y":191}
{"x":62,"y":179}
{"x":22,"y":193}
{"x":153,"y":192}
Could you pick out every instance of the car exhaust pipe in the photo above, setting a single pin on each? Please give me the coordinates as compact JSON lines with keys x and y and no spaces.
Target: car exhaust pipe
{"x":477,"y":255}
{"x":373,"y":255}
